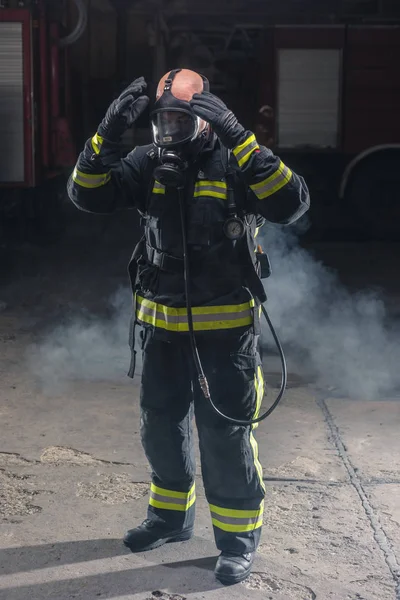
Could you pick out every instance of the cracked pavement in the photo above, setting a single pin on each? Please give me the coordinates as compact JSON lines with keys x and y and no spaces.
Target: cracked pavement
{"x":64,"y":509}
{"x":73,"y":478}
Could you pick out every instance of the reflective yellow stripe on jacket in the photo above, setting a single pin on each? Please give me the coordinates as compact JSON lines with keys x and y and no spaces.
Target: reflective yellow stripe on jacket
{"x":90,"y":181}
{"x":97,"y":142}
{"x":244,"y":151}
{"x":171,"y":500}
{"x":216,"y":189}
{"x":274,"y":183}
{"x":158,"y":188}
{"x":205,"y":318}
{"x":236,"y":521}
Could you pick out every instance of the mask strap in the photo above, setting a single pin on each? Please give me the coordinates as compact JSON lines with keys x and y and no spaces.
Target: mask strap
{"x":206,"y":83}
{"x":170,"y":79}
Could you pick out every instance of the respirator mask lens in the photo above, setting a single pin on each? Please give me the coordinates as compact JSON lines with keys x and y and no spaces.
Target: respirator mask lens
{"x":173,"y":127}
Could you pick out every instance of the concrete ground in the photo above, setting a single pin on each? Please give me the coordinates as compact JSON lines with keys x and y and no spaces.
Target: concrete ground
{"x":73,"y":476}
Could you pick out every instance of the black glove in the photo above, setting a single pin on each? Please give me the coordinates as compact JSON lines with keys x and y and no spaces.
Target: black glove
{"x":124,"y":111}
{"x":222,"y":120}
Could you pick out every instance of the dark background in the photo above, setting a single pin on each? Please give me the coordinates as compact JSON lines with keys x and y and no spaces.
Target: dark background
{"x":237,"y":44}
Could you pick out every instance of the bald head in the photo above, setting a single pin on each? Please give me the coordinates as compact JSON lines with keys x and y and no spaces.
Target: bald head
{"x":185,"y":84}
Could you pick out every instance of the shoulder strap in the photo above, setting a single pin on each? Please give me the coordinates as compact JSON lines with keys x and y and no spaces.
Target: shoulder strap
{"x":257,"y":264}
{"x":225,"y":156}
{"x":230,"y":181}
{"x":151,"y":154}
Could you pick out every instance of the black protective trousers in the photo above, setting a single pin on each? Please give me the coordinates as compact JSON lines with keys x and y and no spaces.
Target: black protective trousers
{"x":231,"y":470}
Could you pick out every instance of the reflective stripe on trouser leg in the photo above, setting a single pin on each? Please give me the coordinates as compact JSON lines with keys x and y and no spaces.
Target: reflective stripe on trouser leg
{"x":231,"y":470}
{"x":171,"y":499}
{"x":241,"y":521}
{"x":259,"y":386}
{"x":236,"y":521}
{"x":166,"y":432}
{"x":176,"y":510}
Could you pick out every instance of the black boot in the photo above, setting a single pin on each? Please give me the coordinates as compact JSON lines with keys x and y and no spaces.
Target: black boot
{"x":150,"y":535}
{"x":233,"y":568}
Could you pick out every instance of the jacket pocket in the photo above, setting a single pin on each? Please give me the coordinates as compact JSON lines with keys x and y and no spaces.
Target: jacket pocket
{"x":153,"y":232}
{"x":148,"y":277}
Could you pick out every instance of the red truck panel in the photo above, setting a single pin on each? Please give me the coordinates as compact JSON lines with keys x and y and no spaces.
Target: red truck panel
{"x":371,"y":107}
{"x":23,"y":16}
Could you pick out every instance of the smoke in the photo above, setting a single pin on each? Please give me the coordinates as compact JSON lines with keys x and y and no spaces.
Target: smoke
{"x":344,"y":340}
{"x":86,"y":347}
{"x":341,"y":340}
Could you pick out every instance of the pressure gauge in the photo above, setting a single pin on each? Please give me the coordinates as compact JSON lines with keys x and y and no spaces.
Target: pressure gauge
{"x":234,"y":228}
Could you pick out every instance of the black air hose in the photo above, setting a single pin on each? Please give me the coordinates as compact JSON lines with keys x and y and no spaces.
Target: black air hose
{"x":196,"y":357}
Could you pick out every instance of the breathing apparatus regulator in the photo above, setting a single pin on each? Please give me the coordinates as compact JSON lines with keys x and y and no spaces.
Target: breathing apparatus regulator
{"x":178,"y":135}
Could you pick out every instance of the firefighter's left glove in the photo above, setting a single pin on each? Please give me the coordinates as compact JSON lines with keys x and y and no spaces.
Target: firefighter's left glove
{"x":124,"y":111}
{"x":222,"y":120}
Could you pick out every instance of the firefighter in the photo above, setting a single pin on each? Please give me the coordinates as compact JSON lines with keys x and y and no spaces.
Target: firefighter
{"x":193,"y":131}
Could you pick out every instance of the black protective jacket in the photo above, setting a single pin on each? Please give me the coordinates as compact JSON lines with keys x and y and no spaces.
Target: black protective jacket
{"x":224,"y":290}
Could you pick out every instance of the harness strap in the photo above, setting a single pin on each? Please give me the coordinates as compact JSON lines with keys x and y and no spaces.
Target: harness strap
{"x":252,"y":275}
{"x":132,"y":270}
{"x":260,"y":268}
{"x":164,"y":261}
{"x":132,"y":330}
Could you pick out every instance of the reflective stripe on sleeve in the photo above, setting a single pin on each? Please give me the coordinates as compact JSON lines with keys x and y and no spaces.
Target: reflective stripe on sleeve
{"x":97,"y":142}
{"x":204,"y":318}
{"x":217,"y":189}
{"x":90,"y":181}
{"x":158,"y":188}
{"x":273,"y":184}
{"x":171,"y":500}
{"x":236,"y":521}
{"x":244,"y":151}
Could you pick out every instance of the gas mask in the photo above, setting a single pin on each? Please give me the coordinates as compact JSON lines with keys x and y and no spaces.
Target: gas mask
{"x":177,"y":134}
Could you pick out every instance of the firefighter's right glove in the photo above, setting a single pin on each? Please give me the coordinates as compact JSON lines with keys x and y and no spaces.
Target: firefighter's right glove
{"x":124,"y":111}
{"x":222,"y":120}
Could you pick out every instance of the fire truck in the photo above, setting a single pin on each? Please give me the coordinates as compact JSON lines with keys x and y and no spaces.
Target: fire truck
{"x":319,"y":85}
{"x":36,"y":142}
